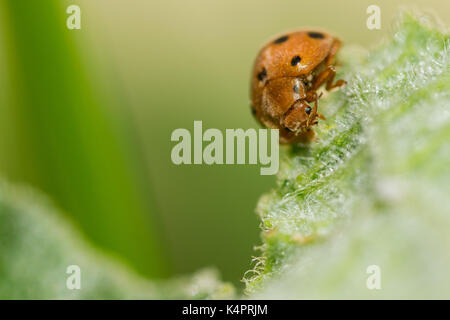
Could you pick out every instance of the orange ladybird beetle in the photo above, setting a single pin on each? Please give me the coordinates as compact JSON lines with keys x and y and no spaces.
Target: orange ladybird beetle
{"x":285,"y":78}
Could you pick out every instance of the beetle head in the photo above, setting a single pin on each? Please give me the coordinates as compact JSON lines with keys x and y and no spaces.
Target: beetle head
{"x":300,"y":117}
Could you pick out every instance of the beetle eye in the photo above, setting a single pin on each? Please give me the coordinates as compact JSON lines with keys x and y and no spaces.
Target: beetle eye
{"x":308,"y":110}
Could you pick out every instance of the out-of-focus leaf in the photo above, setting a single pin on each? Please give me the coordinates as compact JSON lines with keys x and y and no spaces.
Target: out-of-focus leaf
{"x":37,"y":245}
{"x":74,"y":151}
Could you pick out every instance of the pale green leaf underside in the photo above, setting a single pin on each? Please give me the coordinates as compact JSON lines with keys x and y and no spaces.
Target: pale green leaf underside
{"x":37,"y":245}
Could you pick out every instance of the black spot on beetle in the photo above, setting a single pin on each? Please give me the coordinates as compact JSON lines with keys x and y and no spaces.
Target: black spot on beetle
{"x":262,"y":74}
{"x":281,"y":39}
{"x":295,"y":61}
{"x":252,"y":108}
{"x":296,"y":88}
{"x":316,"y":35}
{"x":308,"y":110}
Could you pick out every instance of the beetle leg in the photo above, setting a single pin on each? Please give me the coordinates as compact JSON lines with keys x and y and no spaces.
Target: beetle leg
{"x":333,"y":52}
{"x":313,"y":114}
{"x":327,"y":76}
{"x":318,"y":114}
{"x":311,"y":96}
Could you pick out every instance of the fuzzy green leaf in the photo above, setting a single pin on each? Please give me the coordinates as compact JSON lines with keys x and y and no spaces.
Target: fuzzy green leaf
{"x":374,"y":189}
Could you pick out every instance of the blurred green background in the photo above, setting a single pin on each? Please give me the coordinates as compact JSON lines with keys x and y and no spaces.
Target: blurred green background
{"x":86,"y":116}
